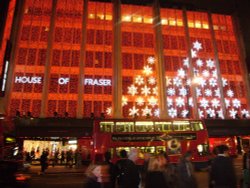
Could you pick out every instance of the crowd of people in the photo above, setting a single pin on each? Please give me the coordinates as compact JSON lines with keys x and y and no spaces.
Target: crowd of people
{"x":64,"y":157}
{"x":158,"y":172}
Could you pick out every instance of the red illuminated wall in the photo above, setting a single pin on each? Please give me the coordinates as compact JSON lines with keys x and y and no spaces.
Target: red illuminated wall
{"x":97,"y":99}
{"x":65,"y":60}
{"x":175,"y":50}
{"x":138,"y":44}
{"x":230,"y":64}
{"x":30,"y":57}
{"x":195,"y":45}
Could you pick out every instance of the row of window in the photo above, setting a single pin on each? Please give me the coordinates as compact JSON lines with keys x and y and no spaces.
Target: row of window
{"x":150,"y":126}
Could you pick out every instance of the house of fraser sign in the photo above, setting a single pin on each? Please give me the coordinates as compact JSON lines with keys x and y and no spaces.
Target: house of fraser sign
{"x":62,"y":80}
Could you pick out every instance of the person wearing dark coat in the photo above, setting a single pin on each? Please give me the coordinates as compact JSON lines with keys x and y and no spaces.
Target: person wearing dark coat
{"x":185,"y":171}
{"x":93,"y":174}
{"x":222,"y":174}
{"x":127,"y":173}
{"x":155,"y":177}
{"x":44,"y":162}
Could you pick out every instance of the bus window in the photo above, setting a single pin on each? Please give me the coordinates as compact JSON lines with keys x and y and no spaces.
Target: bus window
{"x":144,"y":126}
{"x":197,"y":125}
{"x":106,"y":126}
{"x":120,"y":127}
{"x":129,"y":127}
{"x":181,"y":126}
{"x":162,"y":126}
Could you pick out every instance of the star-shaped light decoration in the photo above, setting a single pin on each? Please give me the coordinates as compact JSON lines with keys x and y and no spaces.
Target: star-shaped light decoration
{"x":186,"y":62}
{"x":152,"y":80}
{"x":227,"y":103}
{"x":109,"y":110}
{"x":157,"y":113}
{"x":171,"y":91}
{"x":140,"y":101}
{"x":208,"y":92}
{"x":199,"y":62}
{"x":204,"y":103}
{"x":197,"y":45}
{"x":211,"y":112}
{"x":152,"y":101}
{"x":146,"y":90}
{"x":215,"y":103}
{"x":172,"y":112}
{"x":217,"y":93}
{"x":198,"y":92}
{"x":177,"y":81}
{"x":146,"y":111}
{"x":230,"y":93}
{"x":183,"y":91}
{"x":169,"y":102}
{"x":236,"y":103}
{"x":210,"y":63}
{"x":181,"y":73}
{"x":215,"y":74}
{"x":124,"y":101}
{"x":232,"y":113}
{"x":193,"y":54}
{"x":245,"y":112}
{"x":139,"y":80}
{"x":224,"y":82}
{"x":202,"y":82}
{"x":132,"y":90}
{"x":180,"y":102}
{"x":205,"y":73}
{"x":155,"y":90}
{"x":151,"y":60}
{"x":147,"y":70}
{"x":184,"y":113}
{"x":133,"y":111}
{"x":201,"y":113}
{"x":168,"y":81}
{"x":212,"y":82}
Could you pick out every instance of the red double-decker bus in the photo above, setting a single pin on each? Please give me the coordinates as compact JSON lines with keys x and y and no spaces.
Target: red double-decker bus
{"x":174,"y":137}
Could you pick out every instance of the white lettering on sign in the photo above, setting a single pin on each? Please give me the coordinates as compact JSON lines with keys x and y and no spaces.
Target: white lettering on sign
{"x":99,"y":82}
{"x":28,"y":79}
{"x":63,"y":81}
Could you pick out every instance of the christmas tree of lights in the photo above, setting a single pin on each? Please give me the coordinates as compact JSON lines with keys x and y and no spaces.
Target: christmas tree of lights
{"x":143,"y":92}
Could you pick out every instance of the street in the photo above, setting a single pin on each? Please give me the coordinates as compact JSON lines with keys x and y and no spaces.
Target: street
{"x":75,"y":179}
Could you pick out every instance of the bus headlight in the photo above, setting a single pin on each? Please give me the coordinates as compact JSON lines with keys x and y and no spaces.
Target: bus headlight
{"x":200,"y":148}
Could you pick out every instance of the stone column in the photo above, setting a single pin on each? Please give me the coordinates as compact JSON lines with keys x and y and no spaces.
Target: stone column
{"x":117,"y":63}
{"x":48,"y":61}
{"x":160,"y":66}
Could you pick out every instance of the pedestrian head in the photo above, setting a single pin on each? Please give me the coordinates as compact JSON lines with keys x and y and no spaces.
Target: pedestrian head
{"x":187,"y":156}
{"x":154,"y":164}
{"x":133,"y":154}
{"x":223,"y":149}
{"x":123,"y":153}
{"x":107,"y":156}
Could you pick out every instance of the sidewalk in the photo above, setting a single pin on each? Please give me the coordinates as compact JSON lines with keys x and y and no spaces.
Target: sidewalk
{"x":35,"y":169}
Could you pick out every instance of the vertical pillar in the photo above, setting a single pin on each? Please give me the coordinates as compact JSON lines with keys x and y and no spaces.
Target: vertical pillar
{"x":82,"y":59}
{"x":217,"y":64}
{"x":15,"y":35}
{"x":48,"y":60}
{"x":160,"y":66}
{"x":117,"y":69}
{"x":190,"y":71}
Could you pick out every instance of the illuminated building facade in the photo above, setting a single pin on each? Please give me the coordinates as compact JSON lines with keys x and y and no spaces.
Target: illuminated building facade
{"x":81,"y":57}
